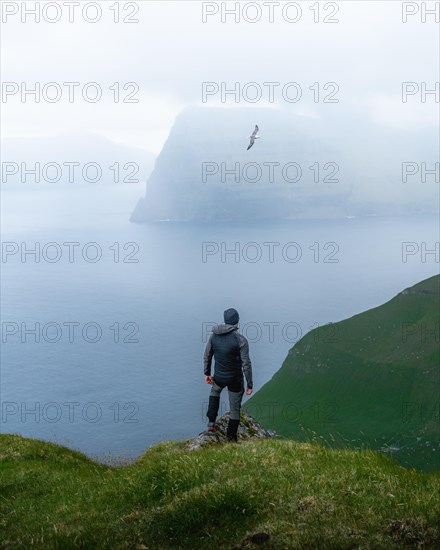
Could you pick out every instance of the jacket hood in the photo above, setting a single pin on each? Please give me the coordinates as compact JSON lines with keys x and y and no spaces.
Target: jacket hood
{"x":223,"y":329}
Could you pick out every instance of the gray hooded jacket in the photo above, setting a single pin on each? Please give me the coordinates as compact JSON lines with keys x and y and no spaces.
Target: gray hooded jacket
{"x":231,"y":353}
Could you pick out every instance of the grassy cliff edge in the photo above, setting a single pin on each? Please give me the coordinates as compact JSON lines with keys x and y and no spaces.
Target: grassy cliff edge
{"x":268,"y":494}
{"x":372,"y":380}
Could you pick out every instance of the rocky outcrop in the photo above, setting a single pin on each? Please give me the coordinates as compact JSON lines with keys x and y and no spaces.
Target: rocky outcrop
{"x":248,"y":429}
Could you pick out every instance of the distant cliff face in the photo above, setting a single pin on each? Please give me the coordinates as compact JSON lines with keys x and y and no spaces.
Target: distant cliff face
{"x":74,"y":158}
{"x":205,"y":171}
{"x":302,"y":167}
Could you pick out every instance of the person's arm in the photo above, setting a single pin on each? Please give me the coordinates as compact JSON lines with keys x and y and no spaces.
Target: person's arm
{"x":207,"y":357}
{"x":245,"y":360}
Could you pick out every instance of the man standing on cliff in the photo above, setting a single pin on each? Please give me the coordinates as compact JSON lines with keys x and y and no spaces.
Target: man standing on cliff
{"x":231,"y":353}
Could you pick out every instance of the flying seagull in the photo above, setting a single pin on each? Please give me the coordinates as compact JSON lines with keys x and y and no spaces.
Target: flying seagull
{"x":253,"y":137}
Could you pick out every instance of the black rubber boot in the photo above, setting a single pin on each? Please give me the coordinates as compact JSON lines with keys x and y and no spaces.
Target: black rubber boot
{"x":231,"y":432}
{"x":214,"y":403}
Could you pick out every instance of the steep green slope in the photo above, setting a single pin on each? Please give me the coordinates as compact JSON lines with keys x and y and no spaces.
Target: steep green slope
{"x":277,"y":493}
{"x":368,"y":381}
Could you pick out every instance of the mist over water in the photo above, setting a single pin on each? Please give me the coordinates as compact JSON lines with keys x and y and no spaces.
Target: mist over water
{"x":121,"y":396}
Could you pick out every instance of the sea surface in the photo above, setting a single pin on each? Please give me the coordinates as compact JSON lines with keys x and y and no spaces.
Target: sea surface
{"x":104,"y":325}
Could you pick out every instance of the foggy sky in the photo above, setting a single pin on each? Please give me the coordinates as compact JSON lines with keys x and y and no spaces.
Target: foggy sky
{"x":171,"y":52}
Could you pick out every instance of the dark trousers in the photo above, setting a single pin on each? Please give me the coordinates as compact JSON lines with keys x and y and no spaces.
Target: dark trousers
{"x":235,"y":393}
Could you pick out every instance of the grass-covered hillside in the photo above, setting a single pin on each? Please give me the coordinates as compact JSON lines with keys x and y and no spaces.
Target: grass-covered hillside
{"x":368,"y":381}
{"x":259,"y":494}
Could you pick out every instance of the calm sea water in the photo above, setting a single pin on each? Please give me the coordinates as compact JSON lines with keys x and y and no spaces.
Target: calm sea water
{"x":118,"y":365}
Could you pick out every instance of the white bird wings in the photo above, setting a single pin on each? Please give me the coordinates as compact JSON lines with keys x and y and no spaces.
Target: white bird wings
{"x":252,"y":138}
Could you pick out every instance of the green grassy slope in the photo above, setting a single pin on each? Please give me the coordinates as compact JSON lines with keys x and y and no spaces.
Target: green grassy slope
{"x":368,"y":381}
{"x":282,"y":493}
